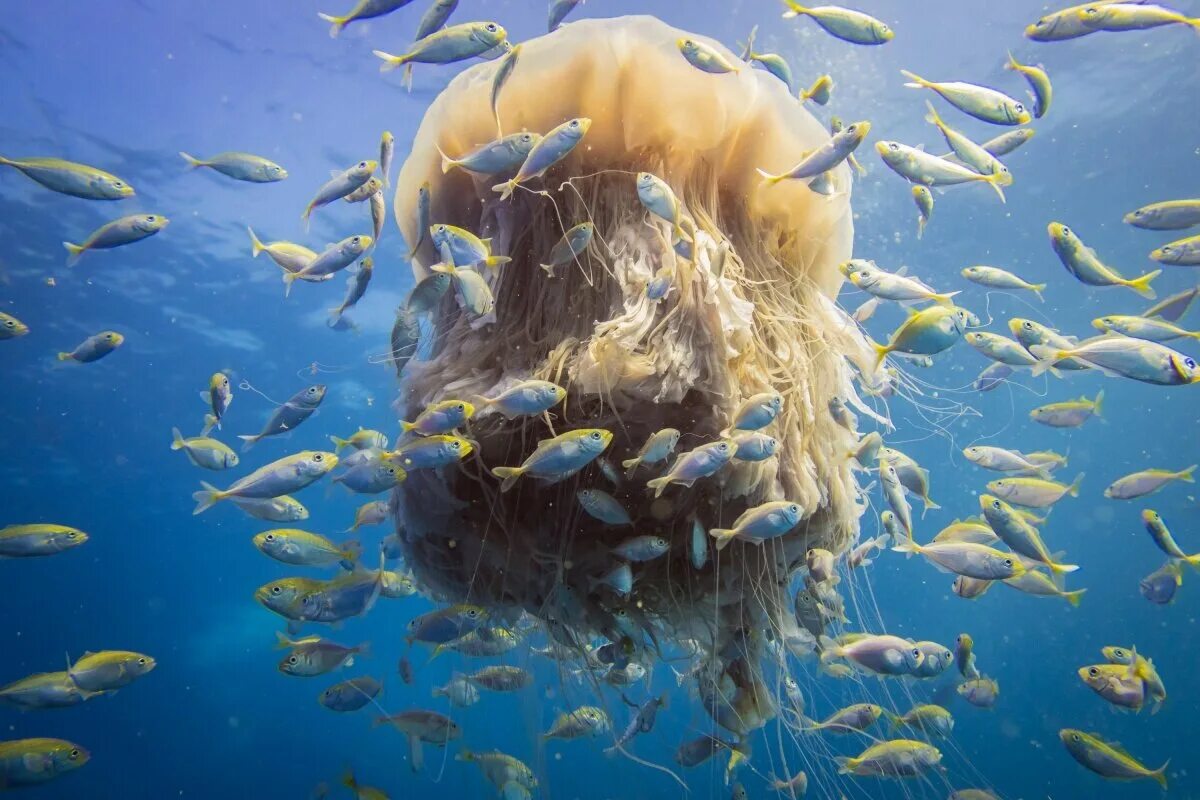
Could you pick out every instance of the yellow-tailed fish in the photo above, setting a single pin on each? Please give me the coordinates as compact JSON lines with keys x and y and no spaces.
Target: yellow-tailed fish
{"x":844,"y":23}
{"x":980,"y":102}
{"x":1082,"y":262}
{"x":123,"y":231}
{"x":239,"y":166}
{"x":68,"y":177}
{"x":1108,"y":760}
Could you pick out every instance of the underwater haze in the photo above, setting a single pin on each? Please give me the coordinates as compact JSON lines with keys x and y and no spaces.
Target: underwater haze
{"x":126,"y":85}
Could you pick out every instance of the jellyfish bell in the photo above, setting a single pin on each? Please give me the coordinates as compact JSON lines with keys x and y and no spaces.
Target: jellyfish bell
{"x":750,"y":312}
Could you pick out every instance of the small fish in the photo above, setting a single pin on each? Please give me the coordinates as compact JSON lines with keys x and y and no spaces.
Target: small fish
{"x":979,"y":692}
{"x":438,"y":418}
{"x":619,"y":579}
{"x":700,"y":462}
{"x":759,"y":523}
{"x":937,"y":659}
{"x":554,"y":147}
{"x":205,"y":452}
{"x":503,"y":72}
{"x":123,"y":231}
{"x":1158,"y":587}
{"x":1121,"y":356}
{"x":503,"y":155}
{"x":43,"y":691}
{"x":1082,"y":262}
{"x":967,"y":558}
{"x":387,"y":142}
{"x":420,"y":727}
{"x":423,"y":210}
{"x":465,"y":248}
{"x":817,"y":162}
{"x":603,"y":506}
{"x":1107,"y":760}
{"x":755,"y":446}
{"x":239,"y":166}
{"x":929,"y":719}
{"x":1144,"y":669}
{"x":372,"y":478}
{"x":356,"y":287}
{"x":525,"y":399}
{"x":333,"y":259}
{"x":365,"y":191}
{"x":427,"y":294}
{"x":361,"y":791}
{"x":1060,"y":26}
{"x":892,"y":286}
{"x":820,"y":91}
{"x":893,"y":492}
{"x":374,"y":513}
{"x":218,"y":397}
{"x":30,"y":762}
{"x":773,"y":62}
{"x":1034,"y":492}
{"x":272,"y":509}
{"x":431,"y":452}
{"x":1132,"y":16}
{"x":928,"y":332}
{"x":512,"y":777}
{"x":11,"y":327}
{"x":459,"y":691}
{"x":1030,"y":333}
{"x":1002,"y":460}
{"x":363,"y":9}
{"x":964,"y":656}
{"x":1037,"y":583}
{"x":1140,"y":484}
{"x":1001,"y":349}
{"x":642,"y":548}
{"x":980,"y":102}
{"x":704,"y":57}
{"x":1039,"y":84}
{"x":970,"y":588}
{"x":558,"y":12}
{"x":880,"y":655}
{"x":968,"y":152}
{"x":476,"y":296}
{"x":891,"y":526}
{"x":482,"y":642}
{"x":451,"y":44}
{"x":1181,"y":253}
{"x":501,"y":678}
{"x":340,"y":185}
{"x":924,"y":200}
{"x":696,"y":751}
{"x":350,"y":695}
{"x":1151,"y":329}
{"x":304,"y":549}
{"x":109,"y":670}
{"x":94,"y":348}
{"x":866,"y":452}
{"x":857,"y":717}
{"x":558,"y":458}
{"x":281,"y":477}
{"x":997,"y":278}
{"x":68,"y":177}
{"x":1161,"y":535}
{"x":289,"y":256}
{"x":299,"y":407}
{"x":569,"y":247}
{"x":1070,"y":413}
{"x":755,"y":412}
{"x":897,"y":758}
{"x":583,"y":721}
{"x":698,"y":545}
{"x":1020,"y":536}
{"x":38,"y":539}
{"x":917,"y":166}
{"x":848,"y":25}
{"x":394,"y":585}
{"x":659,"y":199}
{"x":362,"y":439}
{"x":1169,"y":215}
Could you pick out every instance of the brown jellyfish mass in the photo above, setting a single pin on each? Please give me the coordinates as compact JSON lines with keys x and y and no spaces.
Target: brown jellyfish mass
{"x":751,"y":312}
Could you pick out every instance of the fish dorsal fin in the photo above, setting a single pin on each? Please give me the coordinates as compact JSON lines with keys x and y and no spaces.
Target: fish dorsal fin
{"x":920,"y":147}
{"x":900,"y":273}
{"x":912,"y":312}
{"x":87,"y":654}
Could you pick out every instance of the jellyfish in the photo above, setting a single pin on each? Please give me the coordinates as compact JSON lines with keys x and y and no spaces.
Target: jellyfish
{"x":749,"y":310}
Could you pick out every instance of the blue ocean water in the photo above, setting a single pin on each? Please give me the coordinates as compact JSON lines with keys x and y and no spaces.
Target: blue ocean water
{"x":126,"y":84}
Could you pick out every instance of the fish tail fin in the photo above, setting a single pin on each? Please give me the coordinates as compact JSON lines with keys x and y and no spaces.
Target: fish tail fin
{"x":920,"y":227}
{"x":351,"y":553}
{"x":630,"y":466}
{"x":6,"y":162}
{"x":908,"y":547}
{"x":206,"y":498}
{"x":1160,"y":774}
{"x":192,"y":161}
{"x":845,"y":765}
{"x":994,"y":180}
{"x":1038,"y":288}
{"x":1096,"y":404}
{"x":406,"y":80}
{"x":282,"y":642}
{"x":406,"y":426}
{"x":1193,"y":23}
{"x":210,"y":422}
{"x":337,"y":24}
{"x":349,"y":781}
{"x":495,"y":262}
{"x":505,"y":189}
{"x":508,"y":476}
{"x":915,"y":80}
{"x":881,"y":352}
{"x":1187,"y":475}
{"x":769,"y":178}
{"x":442,"y":267}
{"x":1012,"y":62}
{"x":177,"y":441}
{"x":1047,"y":357}
{"x":448,"y":163}
{"x":794,"y":9}
{"x":930,"y":505}
{"x":549,"y":270}
{"x":74,"y":253}
{"x":1142,"y":285}
{"x":945,"y":299}
{"x":659,"y":485}
{"x":248,"y":440}
{"x":338,"y":443}
{"x":390,"y":62}
{"x":1074,"y":597}
{"x":64,"y":356}
{"x":933,"y":118}
{"x":289,"y":278}
{"x":1061,"y":569}
{"x":256,"y":246}
{"x":723,"y":536}
{"x":1073,"y":489}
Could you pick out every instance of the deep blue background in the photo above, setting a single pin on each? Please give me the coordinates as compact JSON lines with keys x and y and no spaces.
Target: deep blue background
{"x":125,"y":84}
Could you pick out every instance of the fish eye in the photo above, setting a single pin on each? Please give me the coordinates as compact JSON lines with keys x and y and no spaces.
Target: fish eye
{"x":1189,"y":362}
{"x":8,"y":323}
{"x":70,"y":534}
{"x":596,"y":435}
{"x":270,"y":537}
{"x":74,"y":754}
{"x":1075,"y":737}
{"x":916,"y":651}
{"x":362,"y":165}
{"x":460,"y":407}
{"x":356,"y":240}
{"x":996,"y":504}
{"x":150,"y":218}
{"x":1008,"y":562}
{"x":1138,"y":213}
{"x":852,"y":129}
{"x":1093,"y":672}
{"x":318,"y":457}
{"x":1027,"y":325}
{"x":1066,"y":231}
{"x":118,"y":184}
{"x":574,"y":123}
{"x":893,"y":146}
{"x":723,"y":447}
{"x":142,"y":662}
{"x":491,"y":27}
{"x":276,"y":590}
{"x":688,"y":43}
{"x":1019,"y":107}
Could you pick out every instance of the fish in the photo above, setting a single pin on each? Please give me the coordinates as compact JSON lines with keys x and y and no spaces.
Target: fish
{"x":1132,"y":17}
{"x":501,"y":678}
{"x":1169,"y":215}
{"x":272,"y":509}
{"x":1030,"y":333}
{"x":755,"y":412}
{"x":422,"y":727}
{"x":481,"y":642}
{"x":459,"y":691}
{"x":476,"y":296}
{"x":937,"y":659}
{"x":569,"y":247}
{"x":424,"y":200}
{"x":1180,"y":253}
{"x":924,"y":200}
{"x":700,"y":462}
{"x":642,"y":722}
{"x":394,"y":585}
{"x":431,"y":452}
{"x":289,"y":256}
{"x":820,"y":564}
{"x":657,"y":197}
{"x":333,"y":259}
{"x":1159,"y":587}
{"x":1041,"y":91}
{"x":1145,"y":482}
{"x":94,"y":348}
{"x":239,"y":166}
{"x":695,"y":752}
{"x":30,"y":762}
{"x":314,"y":656}
{"x":363,"y":9}
{"x":698,"y":545}
{"x":583,"y":721}
{"x":964,"y":656}
{"x":772,"y":62}
{"x":109,"y":670}
{"x":1161,"y":535}
{"x":11,"y":327}
{"x":891,"y":286}
{"x":755,"y":446}
{"x":981,"y":102}
{"x":893,"y":492}
{"x":44,"y":690}
{"x":1003,"y":460}
{"x":877,"y":654}
{"x":704,"y":57}
{"x":525,"y":399}
{"x":966,"y":558}
{"x":503,"y":72}
{"x":928,"y":718}
{"x":117,"y":233}
{"x":445,"y":624}
{"x":372,"y":478}
{"x":1034,"y":492}
{"x":619,"y":579}
{"x":916,"y":166}
{"x":968,"y":152}
{"x":844,"y":23}
{"x":1060,"y":25}
{"x":554,"y":147}
{"x":979,"y":692}
{"x":218,"y":397}
{"x":387,"y":140}
{"x":819,"y":92}
{"x":970,"y":588}
{"x":1108,"y":759}
{"x":759,"y":523}
{"x":286,"y":417}
{"x":996,"y":278}
{"x":603,"y":506}
{"x":1144,"y":670}
{"x":642,"y":548}
{"x":304,"y":549}
{"x":364,"y":192}
{"x":450,"y":44}
{"x":558,"y":12}
{"x":1039,"y":584}
{"x":1082,"y":262}
{"x":281,"y":477}
{"x":912,"y":476}
{"x":1020,"y":536}
{"x":204,"y":452}
{"x":891,"y":525}
{"x":819,"y":161}
{"x":1121,"y":356}
{"x":438,"y":418}
{"x":350,"y":695}
{"x":897,"y":758}
{"x":1069,"y":413}
{"x":857,"y":717}
{"x":339,"y":185}
{"x":967,"y":530}
{"x":1152,"y":329}
{"x":927,"y":332}
{"x":511,"y":776}
{"x":502,"y":155}
{"x":866,"y":452}
{"x":362,"y":439}
{"x":1003,"y":144}
{"x":1116,"y":683}
{"x":426,"y":295}
{"x":68,"y":177}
